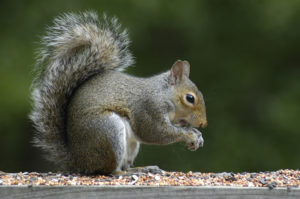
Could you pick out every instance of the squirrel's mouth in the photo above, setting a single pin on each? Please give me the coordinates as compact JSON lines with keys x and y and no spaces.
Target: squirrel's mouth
{"x":183,"y":123}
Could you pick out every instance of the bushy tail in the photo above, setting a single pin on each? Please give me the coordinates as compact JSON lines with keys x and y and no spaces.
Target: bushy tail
{"x":75,"y":48}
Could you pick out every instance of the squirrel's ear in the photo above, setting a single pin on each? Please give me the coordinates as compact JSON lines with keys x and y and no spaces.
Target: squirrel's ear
{"x":179,"y":70}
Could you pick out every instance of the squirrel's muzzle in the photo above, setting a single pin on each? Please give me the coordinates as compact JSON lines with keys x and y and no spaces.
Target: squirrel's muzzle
{"x":203,"y":124}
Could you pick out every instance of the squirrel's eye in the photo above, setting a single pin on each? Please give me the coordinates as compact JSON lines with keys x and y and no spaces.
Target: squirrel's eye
{"x":190,"y":98}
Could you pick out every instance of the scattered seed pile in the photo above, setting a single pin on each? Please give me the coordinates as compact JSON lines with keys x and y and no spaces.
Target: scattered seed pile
{"x":280,"y":178}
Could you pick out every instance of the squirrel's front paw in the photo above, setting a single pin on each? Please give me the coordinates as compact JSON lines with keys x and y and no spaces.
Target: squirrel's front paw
{"x":195,"y":140}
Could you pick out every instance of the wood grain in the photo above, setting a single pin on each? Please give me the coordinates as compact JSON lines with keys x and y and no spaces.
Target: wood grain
{"x":124,"y":192}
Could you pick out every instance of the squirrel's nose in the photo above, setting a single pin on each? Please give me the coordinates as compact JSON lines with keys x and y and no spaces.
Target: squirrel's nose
{"x":203,"y":124}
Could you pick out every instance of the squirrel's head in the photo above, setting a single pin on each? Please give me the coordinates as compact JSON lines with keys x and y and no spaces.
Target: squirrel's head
{"x":188,"y":100}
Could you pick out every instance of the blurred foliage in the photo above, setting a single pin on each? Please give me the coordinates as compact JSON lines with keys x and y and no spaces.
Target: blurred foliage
{"x":244,"y":57}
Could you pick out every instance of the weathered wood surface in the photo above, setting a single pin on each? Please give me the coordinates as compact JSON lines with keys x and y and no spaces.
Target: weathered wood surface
{"x":124,"y":192}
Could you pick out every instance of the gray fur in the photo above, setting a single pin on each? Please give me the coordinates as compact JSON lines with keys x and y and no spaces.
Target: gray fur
{"x":75,"y":48}
{"x":149,"y":101}
{"x":90,"y":117}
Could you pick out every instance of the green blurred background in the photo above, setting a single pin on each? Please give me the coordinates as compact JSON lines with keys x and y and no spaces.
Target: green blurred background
{"x":244,"y":56}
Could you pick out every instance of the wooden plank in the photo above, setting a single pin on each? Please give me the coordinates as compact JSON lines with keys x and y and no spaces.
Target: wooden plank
{"x":124,"y":192}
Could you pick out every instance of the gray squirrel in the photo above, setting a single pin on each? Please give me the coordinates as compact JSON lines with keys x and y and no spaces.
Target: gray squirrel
{"x":89,"y":116}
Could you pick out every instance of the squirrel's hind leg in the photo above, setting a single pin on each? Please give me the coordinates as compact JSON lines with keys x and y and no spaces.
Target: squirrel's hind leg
{"x":98,"y":143}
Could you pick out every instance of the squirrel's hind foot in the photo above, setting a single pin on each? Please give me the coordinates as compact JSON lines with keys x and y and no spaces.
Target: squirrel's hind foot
{"x":139,"y":170}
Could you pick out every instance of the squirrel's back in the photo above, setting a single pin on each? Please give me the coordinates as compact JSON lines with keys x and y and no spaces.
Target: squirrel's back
{"x":74,"y":49}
